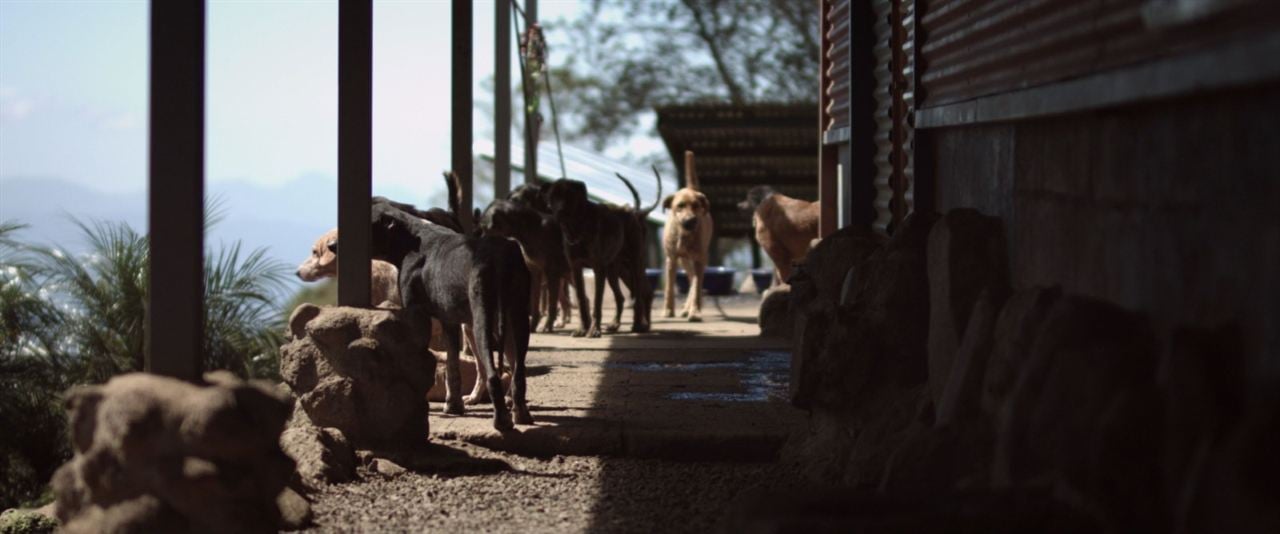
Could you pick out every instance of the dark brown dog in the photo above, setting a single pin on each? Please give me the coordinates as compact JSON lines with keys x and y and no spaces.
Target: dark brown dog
{"x":530,"y":196}
{"x":543,"y":248}
{"x":607,"y":239}
{"x":784,"y":226}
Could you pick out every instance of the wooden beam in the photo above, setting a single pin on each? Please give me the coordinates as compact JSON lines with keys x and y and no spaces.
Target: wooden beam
{"x":502,"y":100}
{"x":532,"y":121}
{"x":355,"y":149}
{"x":461,"y":130}
{"x":175,"y":295}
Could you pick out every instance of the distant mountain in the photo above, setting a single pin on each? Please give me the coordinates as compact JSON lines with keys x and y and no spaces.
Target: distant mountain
{"x":283,"y":219}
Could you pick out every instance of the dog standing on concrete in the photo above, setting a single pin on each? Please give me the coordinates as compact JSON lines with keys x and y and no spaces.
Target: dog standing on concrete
{"x":784,"y":226}
{"x":608,"y":240}
{"x":531,"y":196}
{"x":455,"y":278}
{"x":686,"y":237}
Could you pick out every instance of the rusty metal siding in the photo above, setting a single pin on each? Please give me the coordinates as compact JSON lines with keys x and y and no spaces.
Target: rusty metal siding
{"x":836,"y":64}
{"x":972,"y":48}
{"x":895,"y":98}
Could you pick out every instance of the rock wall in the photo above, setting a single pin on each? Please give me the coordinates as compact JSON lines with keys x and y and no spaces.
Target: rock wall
{"x":364,"y":372}
{"x":930,"y":375}
{"x":154,"y":454}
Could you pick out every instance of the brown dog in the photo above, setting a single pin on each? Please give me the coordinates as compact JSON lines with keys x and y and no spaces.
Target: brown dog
{"x":784,"y":226}
{"x":323,"y":263}
{"x":685,"y":240}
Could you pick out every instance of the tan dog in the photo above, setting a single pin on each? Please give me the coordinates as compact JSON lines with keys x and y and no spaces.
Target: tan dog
{"x":685,"y":240}
{"x":323,"y":263}
{"x":784,"y":226}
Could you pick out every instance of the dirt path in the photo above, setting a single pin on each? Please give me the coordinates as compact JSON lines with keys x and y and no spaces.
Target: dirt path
{"x":657,"y":432}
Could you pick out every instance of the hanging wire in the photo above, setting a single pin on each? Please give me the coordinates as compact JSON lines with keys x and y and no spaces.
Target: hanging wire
{"x":527,"y":42}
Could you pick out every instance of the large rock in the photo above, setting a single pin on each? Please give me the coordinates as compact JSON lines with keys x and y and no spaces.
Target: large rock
{"x":364,"y":372}
{"x":962,"y":394}
{"x":1016,"y":329}
{"x":1085,"y":413}
{"x":154,"y":454}
{"x":966,"y":256}
{"x":775,"y":313}
{"x":323,"y":455}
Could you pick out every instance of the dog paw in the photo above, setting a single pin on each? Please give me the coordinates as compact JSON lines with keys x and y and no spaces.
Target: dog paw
{"x":579,"y":333}
{"x":548,"y":328}
{"x":454,"y":408}
{"x":640,"y":328}
{"x":684,"y":313}
{"x":669,"y":313}
{"x":695,"y":318}
{"x":523,"y":417}
{"x":595,"y":332}
{"x":502,"y":421}
{"x":612,"y":328}
{"x":472,"y":400}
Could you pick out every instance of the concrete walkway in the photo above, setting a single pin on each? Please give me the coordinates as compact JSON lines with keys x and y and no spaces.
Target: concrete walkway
{"x":712,"y":390}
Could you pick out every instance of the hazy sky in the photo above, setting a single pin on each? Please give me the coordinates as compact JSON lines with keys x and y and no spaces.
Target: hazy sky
{"x":73,"y":86}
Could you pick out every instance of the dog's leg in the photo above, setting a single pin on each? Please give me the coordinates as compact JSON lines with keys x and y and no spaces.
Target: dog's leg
{"x":566,"y":307}
{"x":553,"y":285}
{"x":516,"y":346}
{"x":597,"y":307}
{"x":452,"y":372}
{"x":483,"y":323}
{"x":669,"y":289}
{"x":535,"y":297}
{"x":695,"y":290}
{"x":479,"y":392}
{"x":619,"y":301}
{"x":641,"y":296}
{"x":584,"y":308}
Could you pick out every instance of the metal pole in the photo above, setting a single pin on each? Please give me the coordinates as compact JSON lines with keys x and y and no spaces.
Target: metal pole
{"x":461,"y":132}
{"x":355,"y":149}
{"x":502,"y":100}
{"x":532,"y":122}
{"x":175,"y":211}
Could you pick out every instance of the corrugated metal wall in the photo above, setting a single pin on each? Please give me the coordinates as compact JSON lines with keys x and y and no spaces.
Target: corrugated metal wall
{"x":895,"y":98}
{"x":837,"y":89}
{"x":972,"y":48}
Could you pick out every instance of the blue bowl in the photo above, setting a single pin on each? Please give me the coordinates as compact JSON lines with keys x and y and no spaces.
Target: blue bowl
{"x":716,"y":280}
{"x":654,"y":275}
{"x":763,"y":279}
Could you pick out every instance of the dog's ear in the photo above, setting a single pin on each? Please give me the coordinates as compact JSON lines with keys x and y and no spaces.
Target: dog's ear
{"x":332,"y":246}
{"x":702,"y":201}
{"x":666,"y":202}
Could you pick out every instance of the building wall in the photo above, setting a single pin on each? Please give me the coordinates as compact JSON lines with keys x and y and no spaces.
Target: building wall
{"x":1170,"y":207}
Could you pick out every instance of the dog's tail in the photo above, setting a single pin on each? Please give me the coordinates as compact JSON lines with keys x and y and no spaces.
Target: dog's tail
{"x":658,"y":198}
{"x":452,"y":182}
{"x":690,"y":173}
{"x":634,"y":194}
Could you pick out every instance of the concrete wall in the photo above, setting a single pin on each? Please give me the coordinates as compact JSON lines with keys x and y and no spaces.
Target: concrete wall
{"x":1170,"y":207}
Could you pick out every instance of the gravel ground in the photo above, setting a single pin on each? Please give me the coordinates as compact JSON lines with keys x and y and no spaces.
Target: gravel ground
{"x":560,"y":494}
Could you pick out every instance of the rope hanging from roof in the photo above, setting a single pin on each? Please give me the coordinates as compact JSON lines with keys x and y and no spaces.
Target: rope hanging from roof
{"x":533,"y":66}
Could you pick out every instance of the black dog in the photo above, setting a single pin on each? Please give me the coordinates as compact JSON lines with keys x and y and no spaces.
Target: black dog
{"x":540,"y":240}
{"x":457,"y":279}
{"x":607,"y":239}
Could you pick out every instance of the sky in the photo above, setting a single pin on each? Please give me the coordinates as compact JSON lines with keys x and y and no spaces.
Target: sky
{"x":73,"y":90}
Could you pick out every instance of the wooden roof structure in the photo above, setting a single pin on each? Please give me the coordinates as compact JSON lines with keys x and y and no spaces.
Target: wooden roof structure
{"x":739,"y":147}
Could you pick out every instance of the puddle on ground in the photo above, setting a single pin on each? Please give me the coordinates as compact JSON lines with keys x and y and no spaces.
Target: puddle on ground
{"x":764,"y":376}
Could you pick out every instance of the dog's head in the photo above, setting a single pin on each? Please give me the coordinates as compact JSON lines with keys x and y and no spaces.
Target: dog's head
{"x":566,"y":198}
{"x":755,"y":196}
{"x":500,"y":218}
{"x":530,"y":196}
{"x":323,"y":262}
{"x":686,"y":207}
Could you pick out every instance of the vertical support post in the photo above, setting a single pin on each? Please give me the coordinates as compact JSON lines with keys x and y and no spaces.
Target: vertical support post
{"x":175,"y":206}
{"x":532,"y":119}
{"x":502,"y":100}
{"x":355,"y":149}
{"x":860,"y":170}
{"x":460,"y":131}
{"x":828,"y":155}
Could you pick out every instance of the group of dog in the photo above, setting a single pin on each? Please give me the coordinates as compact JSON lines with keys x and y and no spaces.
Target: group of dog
{"x":493,"y":273}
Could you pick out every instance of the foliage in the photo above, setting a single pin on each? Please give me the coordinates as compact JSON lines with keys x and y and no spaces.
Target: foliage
{"x":70,"y":319}
{"x":26,"y":522}
{"x":624,"y":57}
